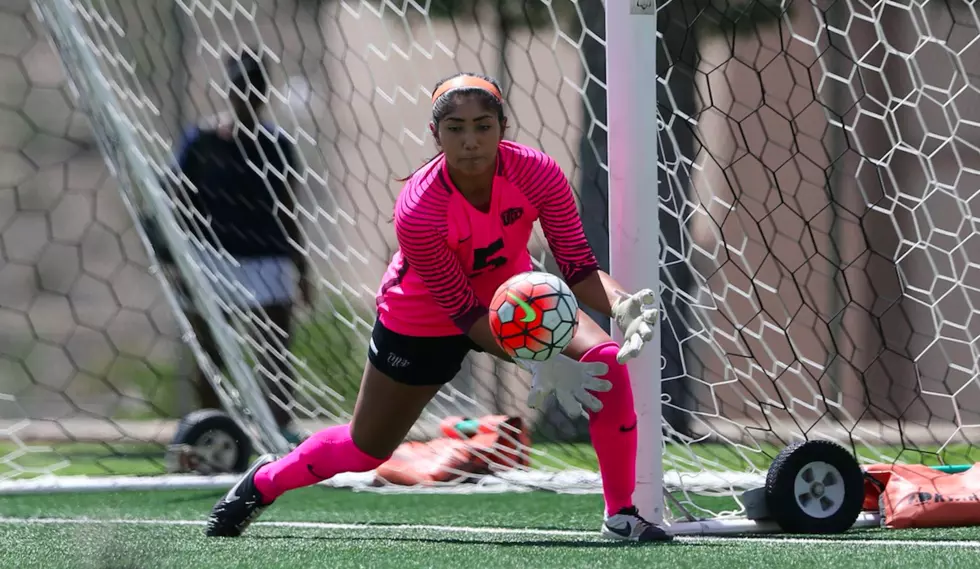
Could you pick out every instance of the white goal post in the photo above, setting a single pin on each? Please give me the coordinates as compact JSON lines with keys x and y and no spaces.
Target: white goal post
{"x":634,"y":228}
{"x":798,"y":180}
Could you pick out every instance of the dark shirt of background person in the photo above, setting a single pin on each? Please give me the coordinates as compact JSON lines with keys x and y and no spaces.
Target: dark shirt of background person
{"x":240,"y":200}
{"x":239,"y":172}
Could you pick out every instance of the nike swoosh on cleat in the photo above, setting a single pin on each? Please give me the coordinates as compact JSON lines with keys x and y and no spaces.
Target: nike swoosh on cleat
{"x":625,"y":429}
{"x":625,"y":531}
{"x":234,"y":494}
{"x":529,"y":313}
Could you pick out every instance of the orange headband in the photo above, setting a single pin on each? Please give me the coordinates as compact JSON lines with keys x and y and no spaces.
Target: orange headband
{"x":465,"y":82}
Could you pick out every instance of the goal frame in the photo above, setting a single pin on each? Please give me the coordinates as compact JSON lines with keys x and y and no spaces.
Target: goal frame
{"x":633,"y":129}
{"x":634,"y":244}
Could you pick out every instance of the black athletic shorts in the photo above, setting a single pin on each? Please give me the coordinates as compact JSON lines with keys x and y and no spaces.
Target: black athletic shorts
{"x":416,"y":360}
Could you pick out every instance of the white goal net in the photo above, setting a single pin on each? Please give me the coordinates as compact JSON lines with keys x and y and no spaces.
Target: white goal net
{"x":818,"y":165}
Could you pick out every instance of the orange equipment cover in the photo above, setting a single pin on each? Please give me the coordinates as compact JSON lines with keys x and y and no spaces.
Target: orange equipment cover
{"x":916,"y":496}
{"x":499,"y":443}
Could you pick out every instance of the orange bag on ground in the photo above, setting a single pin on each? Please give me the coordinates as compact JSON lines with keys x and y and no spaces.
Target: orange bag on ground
{"x":493,"y":443}
{"x":916,"y":496}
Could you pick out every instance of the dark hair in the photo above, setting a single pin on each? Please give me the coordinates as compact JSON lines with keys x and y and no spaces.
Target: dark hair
{"x":246,"y":70}
{"x":446,"y":104}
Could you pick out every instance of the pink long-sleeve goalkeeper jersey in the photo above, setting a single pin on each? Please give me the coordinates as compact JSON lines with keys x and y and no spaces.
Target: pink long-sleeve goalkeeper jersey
{"x":452,"y":257}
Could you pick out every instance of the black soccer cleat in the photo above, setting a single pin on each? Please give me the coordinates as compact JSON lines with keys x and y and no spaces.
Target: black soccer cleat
{"x":628,"y":525}
{"x":240,"y":506}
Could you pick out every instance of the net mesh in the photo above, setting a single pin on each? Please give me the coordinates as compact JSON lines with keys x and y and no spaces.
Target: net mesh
{"x":818,"y":163}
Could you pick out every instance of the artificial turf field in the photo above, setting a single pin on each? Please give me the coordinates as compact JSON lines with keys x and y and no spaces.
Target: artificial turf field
{"x":321,"y":527}
{"x":324,"y":527}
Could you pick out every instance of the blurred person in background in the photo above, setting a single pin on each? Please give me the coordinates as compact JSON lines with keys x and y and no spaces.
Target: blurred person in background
{"x":244,"y":207}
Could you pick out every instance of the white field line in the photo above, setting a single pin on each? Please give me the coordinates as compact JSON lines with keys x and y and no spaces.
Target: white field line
{"x":530,"y":532}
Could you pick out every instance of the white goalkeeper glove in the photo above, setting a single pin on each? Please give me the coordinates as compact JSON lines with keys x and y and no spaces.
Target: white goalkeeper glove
{"x":636,"y":315}
{"x":571,"y":381}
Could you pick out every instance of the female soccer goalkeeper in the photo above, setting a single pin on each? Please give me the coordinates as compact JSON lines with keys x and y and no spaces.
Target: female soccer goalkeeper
{"x":463,"y":222}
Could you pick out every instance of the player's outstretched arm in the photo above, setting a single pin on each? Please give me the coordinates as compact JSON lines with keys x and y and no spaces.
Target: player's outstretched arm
{"x":548,"y":188}
{"x":597,"y":291}
{"x":635,"y":314}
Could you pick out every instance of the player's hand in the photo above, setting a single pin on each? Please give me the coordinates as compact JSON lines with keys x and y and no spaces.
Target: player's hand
{"x":636,"y":315}
{"x":571,"y":381}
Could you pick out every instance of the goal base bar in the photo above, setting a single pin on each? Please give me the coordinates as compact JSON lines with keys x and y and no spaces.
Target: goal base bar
{"x":566,"y":482}
{"x":361,"y":481}
{"x":735,"y":526}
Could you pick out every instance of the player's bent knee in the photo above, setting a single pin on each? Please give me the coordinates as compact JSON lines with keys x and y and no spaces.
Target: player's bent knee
{"x":617,"y":403}
{"x":379,"y":447}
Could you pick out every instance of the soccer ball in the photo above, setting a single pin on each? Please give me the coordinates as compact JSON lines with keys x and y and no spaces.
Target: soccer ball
{"x":533,"y":316}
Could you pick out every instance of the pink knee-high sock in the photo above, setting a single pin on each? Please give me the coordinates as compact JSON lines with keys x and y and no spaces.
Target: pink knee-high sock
{"x":324,"y":455}
{"x":613,"y":431}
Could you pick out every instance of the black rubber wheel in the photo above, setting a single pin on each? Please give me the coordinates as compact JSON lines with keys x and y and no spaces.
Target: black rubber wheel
{"x":217,"y":440}
{"x":814,"y":487}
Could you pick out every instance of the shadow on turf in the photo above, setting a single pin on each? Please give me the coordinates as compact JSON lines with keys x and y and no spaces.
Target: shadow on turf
{"x":456,"y":541}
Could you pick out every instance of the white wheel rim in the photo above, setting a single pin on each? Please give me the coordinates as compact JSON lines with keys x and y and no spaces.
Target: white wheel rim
{"x":217,"y":448}
{"x":819,"y":489}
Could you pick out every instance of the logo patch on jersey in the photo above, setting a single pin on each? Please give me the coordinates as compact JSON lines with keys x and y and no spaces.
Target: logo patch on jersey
{"x":511,"y":215}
